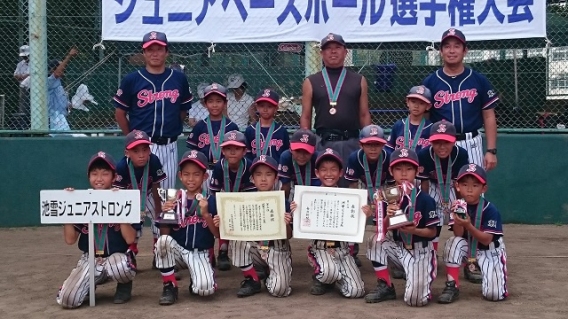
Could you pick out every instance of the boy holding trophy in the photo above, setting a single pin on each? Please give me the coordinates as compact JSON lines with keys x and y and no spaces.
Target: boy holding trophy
{"x":411,"y":215}
{"x":187,"y":239}
{"x":478,"y":238}
{"x":140,"y":169}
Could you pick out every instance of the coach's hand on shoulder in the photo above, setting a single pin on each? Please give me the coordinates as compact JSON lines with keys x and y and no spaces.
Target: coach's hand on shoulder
{"x":490,"y":161}
{"x":216,"y":221}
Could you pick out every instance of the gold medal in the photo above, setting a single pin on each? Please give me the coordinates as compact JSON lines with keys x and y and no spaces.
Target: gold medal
{"x":329,"y":244}
{"x":408,"y":247}
{"x":332,"y":111}
{"x":99,"y":252}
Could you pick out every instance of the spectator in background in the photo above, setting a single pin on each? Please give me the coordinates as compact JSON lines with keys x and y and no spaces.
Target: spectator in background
{"x":58,"y":101}
{"x":22,"y":73}
{"x":239,"y":103}
{"x":198,"y":111}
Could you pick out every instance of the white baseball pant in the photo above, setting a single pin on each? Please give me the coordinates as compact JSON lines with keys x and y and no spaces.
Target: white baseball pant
{"x":336,"y":265}
{"x":278,"y":259}
{"x":492,"y":262}
{"x":169,"y":253}
{"x":419,"y":264}
{"x":168,"y":155}
{"x":76,"y":287}
{"x":474,"y":147}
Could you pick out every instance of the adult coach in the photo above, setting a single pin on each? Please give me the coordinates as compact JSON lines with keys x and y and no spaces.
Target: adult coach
{"x":156,"y":100}
{"x":466,"y":98}
{"x":339,"y":98}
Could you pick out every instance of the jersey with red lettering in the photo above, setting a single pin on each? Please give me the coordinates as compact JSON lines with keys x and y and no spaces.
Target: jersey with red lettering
{"x":200,"y":140}
{"x":396,"y":137}
{"x":279,"y":141}
{"x":461,"y":99}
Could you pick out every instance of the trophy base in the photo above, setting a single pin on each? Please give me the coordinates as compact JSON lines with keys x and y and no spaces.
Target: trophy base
{"x":169,"y":219}
{"x":398,"y":221}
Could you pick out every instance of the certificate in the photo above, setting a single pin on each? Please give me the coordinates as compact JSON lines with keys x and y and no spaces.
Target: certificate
{"x":329,"y":213}
{"x":252,"y":216}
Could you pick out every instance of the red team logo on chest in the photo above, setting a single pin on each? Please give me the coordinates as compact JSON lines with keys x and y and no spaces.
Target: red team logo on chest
{"x":204,"y":140}
{"x":146,"y":97}
{"x":276,"y":143}
{"x":445,"y":97}
{"x":417,"y":218}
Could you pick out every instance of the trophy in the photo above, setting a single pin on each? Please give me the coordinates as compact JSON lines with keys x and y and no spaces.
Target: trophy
{"x":392,"y":194}
{"x":170,"y":216}
{"x":460,"y":208}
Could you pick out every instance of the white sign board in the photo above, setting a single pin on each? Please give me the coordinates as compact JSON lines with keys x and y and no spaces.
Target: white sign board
{"x":252,"y":216}
{"x":329,"y":213}
{"x":253,"y":21}
{"x":84,"y":206}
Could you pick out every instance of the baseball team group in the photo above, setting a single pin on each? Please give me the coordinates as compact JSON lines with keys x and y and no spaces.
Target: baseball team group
{"x":434,"y":157}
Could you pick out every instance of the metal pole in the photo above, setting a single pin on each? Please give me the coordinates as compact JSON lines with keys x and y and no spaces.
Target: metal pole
{"x":21,"y":21}
{"x":516,"y":79}
{"x":38,"y":64}
{"x":312,"y":63}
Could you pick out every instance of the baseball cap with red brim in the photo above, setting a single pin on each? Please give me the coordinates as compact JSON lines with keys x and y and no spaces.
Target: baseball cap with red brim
{"x":329,"y":153}
{"x":154,"y":37}
{"x":235,"y":138}
{"x":196,"y":157}
{"x":453,"y":33}
{"x":420,"y":92}
{"x":372,"y":134}
{"x":403,"y":155}
{"x":474,"y":170}
{"x":136,"y":138}
{"x":264,"y":160}
{"x":215,"y":88}
{"x":303,"y":139}
{"x":443,"y":131}
{"x":269,"y":96}
{"x":102,"y":156}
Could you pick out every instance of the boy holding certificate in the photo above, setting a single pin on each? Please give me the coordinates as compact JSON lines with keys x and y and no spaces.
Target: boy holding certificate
{"x":409,"y":247}
{"x":478,"y":238}
{"x":231,"y":174}
{"x":332,"y":262}
{"x":274,"y":257}
{"x":189,"y":243}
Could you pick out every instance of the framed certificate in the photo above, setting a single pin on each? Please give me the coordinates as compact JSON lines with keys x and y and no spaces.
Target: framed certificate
{"x":252,"y":216}
{"x":329,"y":213}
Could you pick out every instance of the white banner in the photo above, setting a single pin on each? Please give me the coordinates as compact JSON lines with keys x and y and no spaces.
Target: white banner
{"x":238,"y":21}
{"x":84,"y":206}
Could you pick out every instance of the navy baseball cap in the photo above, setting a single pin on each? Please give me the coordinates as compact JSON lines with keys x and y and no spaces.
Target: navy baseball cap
{"x":195,"y":157}
{"x":329,"y":153}
{"x":269,"y":96}
{"x":154,"y":37}
{"x":264,"y":160}
{"x":453,"y":33}
{"x":403,"y":155}
{"x":102,"y":156}
{"x":234,"y":138}
{"x":215,"y":88}
{"x":135,"y":138}
{"x":443,"y":131}
{"x":332,"y":38}
{"x":303,"y":139}
{"x":372,"y":133}
{"x":475,"y":171}
{"x":420,"y":92}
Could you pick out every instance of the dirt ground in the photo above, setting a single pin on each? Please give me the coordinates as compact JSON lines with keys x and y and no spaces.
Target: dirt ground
{"x":36,"y":261}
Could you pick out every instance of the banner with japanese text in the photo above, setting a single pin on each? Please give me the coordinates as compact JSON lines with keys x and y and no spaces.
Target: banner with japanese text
{"x":253,"y":21}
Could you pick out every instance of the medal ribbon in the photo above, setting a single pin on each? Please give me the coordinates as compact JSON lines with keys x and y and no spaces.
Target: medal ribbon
{"x":416,"y":136}
{"x":258,"y":133}
{"x":144,"y":186}
{"x":215,"y":148}
{"x":373,"y":185}
{"x":473,"y":241}
{"x":444,"y":184}
{"x":195,"y":205}
{"x":333,"y":93}
{"x":100,"y":238}
{"x":227,"y":182}
{"x":298,"y":172}
{"x":407,"y":238}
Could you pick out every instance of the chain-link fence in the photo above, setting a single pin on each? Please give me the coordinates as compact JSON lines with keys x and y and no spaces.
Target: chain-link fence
{"x":530,"y":75}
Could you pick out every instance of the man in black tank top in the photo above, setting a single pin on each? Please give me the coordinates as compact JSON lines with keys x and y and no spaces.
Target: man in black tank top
{"x":339,"y":97}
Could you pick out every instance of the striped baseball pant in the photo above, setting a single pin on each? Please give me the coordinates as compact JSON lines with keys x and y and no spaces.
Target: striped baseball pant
{"x":169,"y":253}
{"x":474,"y":147}
{"x":168,"y":155}
{"x":419,"y":264}
{"x":492,"y":262}
{"x":75,"y":289}
{"x":277,"y":258}
{"x":336,"y":265}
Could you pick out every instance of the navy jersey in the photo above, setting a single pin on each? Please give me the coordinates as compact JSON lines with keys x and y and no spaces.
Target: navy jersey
{"x":396,"y":137}
{"x":193,"y":231}
{"x":199,"y":137}
{"x":279,"y":142}
{"x":155,"y":173}
{"x":114,"y":243}
{"x":460,"y":100}
{"x":217,"y":182}
{"x":425,"y":215}
{"x":287,"y":172}
{"x":427,"y":170}
{"x":355,"y":170}
{"x":490,"y":222}
{"x":154,"y":101}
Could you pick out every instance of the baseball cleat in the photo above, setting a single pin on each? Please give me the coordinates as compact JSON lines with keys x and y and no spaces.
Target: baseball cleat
{"x":123,"y":293}
{"x":381,"y":293}
{"x":450,"y":294}
{"x":249,"y":287}
{"x":169,"y":294}
{"x":223,"y":260}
